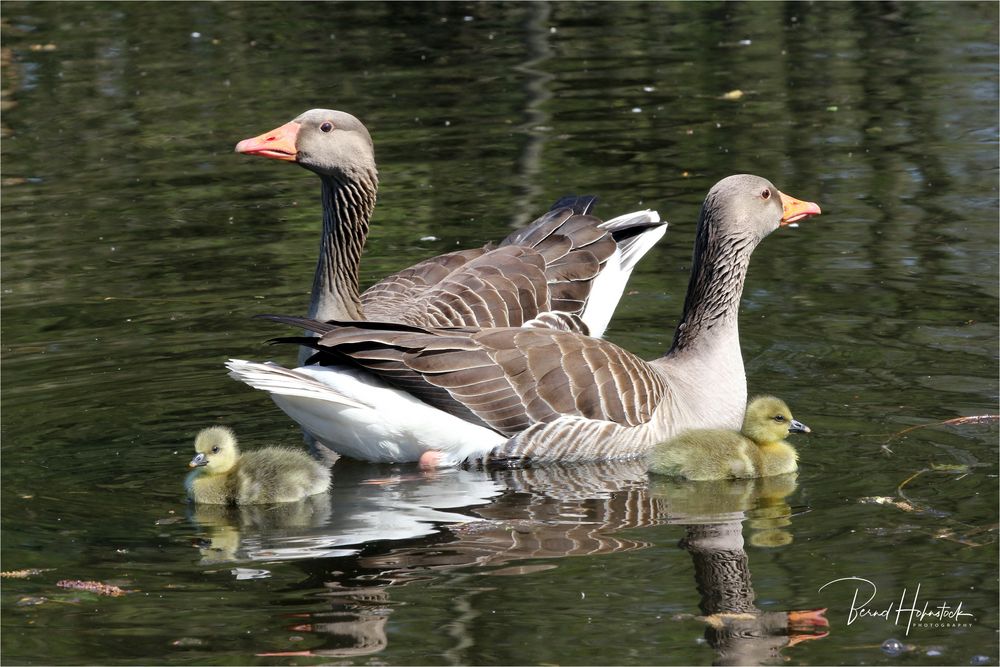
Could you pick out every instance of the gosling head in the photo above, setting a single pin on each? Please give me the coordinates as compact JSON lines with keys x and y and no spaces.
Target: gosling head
{"x":216,"y":449}
{"x":768,"y":419}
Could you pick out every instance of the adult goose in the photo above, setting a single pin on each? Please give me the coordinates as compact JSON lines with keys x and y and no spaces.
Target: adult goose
{"x":391,"y":392}
{"x":567,"y":261}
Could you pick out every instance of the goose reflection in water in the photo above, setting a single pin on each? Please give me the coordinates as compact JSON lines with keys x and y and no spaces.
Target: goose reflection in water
{"x":501,"y":521}
{"x":712,"y":513}
{"x":363,"y":505}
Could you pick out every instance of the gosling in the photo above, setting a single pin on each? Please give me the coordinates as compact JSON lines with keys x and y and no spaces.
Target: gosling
{"x":222,"y":476}
{"x":759,"y":450}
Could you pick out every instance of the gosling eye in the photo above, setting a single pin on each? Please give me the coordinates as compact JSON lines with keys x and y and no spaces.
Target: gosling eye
{"x":327,"y":126}
{"x":779,"y":418}
{"x":765,"y":193}
{"x":215,"y":450}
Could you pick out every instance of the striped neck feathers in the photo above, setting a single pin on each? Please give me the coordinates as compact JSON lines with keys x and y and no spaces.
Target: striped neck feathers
{"x":347,"y":208}
{"x":718,"y":272}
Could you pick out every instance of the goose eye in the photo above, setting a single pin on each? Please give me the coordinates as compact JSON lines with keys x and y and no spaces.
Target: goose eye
{"x":326,"y":127}
{"x":779,"y":418}
{"x":765,"y":193}
{"x":215,"y":450}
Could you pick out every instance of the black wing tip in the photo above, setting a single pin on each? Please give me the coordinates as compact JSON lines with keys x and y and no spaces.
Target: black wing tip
{"x":307,"y":341}
{"x":306,"y":323}
{"x":280,"y":318}
{"x":323,"y":327}
{"x":581,"y":204}
{"x":623,"y":234}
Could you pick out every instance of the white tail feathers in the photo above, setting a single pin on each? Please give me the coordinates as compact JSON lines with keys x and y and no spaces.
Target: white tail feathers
{"x":607,"y":289}
{"x":633,"y":249}
{"x":274,"y":379}
{"x":631,"y":219}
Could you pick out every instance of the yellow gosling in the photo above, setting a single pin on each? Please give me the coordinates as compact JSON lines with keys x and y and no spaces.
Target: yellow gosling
{"x":222,"y":476}
{"x":759,"y":450}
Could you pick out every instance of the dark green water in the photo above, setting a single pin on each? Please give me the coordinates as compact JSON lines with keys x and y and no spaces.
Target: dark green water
{"x":137,"y":245}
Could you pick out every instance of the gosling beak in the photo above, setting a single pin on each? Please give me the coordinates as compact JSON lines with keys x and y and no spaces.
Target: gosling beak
{"x":198,"y":461}
{"x":796,"y":209}
{"x":798,"y":427}
{"x":278,"y":144}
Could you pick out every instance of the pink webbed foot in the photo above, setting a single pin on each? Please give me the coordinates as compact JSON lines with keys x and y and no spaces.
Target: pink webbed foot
{"x":431,"y":459}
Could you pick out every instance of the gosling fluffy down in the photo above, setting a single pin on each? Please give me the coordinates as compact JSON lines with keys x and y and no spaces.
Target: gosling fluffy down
{"x":223,"y":476}
{"x":759,"y":450}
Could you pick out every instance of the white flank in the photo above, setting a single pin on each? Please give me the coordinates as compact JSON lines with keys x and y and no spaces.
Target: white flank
{"x":357,"y":415}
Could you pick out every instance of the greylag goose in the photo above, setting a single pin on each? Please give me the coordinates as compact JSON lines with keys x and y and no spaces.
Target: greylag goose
{"x":223,"y":476}
{"x":566,"y":261}
{"x":446,"y":396}
{"x":758,"y":449}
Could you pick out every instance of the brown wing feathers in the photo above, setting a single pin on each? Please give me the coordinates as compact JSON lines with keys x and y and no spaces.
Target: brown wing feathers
{"x":575,"y":249}
{"x":390,"y":294}
{"x":558,"y":373}
{"x":549,"y":265}
{"x":504,"y":378}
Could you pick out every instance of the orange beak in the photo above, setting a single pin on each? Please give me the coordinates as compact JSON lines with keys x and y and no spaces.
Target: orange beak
{"x":807,"y":624}
{"x":794,"y":209}
{"x":805,"y":619}
{"x":798,"y":639}
{"x":278,"y":144}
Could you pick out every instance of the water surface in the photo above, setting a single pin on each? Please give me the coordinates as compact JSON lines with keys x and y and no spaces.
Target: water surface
{"x":137,"y":246}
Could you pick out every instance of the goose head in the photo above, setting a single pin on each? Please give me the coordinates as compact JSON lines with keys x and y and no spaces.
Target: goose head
{"x":750,"y":205}
{"x":768,"y":419}
{"x":217,"y":451}
{"x":324,"y":141}
{"x":738,"y":212}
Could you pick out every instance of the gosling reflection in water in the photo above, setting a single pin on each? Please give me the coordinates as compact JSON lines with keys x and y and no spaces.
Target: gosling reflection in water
{"x":761,"y":503}
{"x":353,"y":513}
{"x":251,"y":532}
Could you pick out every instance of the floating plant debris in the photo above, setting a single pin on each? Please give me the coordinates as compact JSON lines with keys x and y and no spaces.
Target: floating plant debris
{"x":92,"y":587}
{"x":24,"y":574}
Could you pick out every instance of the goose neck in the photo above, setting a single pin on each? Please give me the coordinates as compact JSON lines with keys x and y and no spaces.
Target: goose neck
{"x":347,"y":207}
{"x":718,"y":272}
